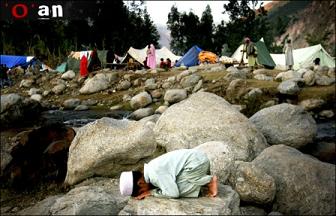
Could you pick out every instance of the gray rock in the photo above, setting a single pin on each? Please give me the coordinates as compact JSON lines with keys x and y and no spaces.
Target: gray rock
{"x":140,"y":100}
{"x":41,"y":208}
{"x":69,"y":75}
{"x":268,"y":104}
{"x":304,"y":185}
{"x":182,"y":74}
{"x":324,"y":80}
{"x":16,"y":109}
{"x":33,"y":91}
{"x":190,"y":81}
{"x":161,"y":109}
{"x":58,"y":89}
{"x":252,"y":210}
{"x":311,"y":104}
{"x":45,"y":93}
{"x":27,"y":83}
{"x":88,"y":200}
{"x":71,"y":103}
{"x":175,"y":95}
{"x":236,"y":89}
{"x":89,"y":102}
{"x":309,"y":77}
{"x":153,"y":118}
{"x":198,"y":86}
{"x":283,"y":76}
{"x":260,"y":71}
{"x":253,"y":94}
{"x":331,"y":73}
{"x":274,"y":213}
{"x":235,"y":73}
{"x":157,"y":93}
{"x":95,"y":84}
{"x":81,"y":107}
{"x":9,"y":100}
{"x":226,"y":203}
{"x":221,"y":156}
{"x":124,"y":85}
{"x":150,"y":84}
{"x":36,"y":97}
{"x":326,"y":114}
{"x":252,"y":184}
{"x":141,"y":113}
{"x":232,"y":69}
{"x":289,"y":87}
{"x":207,"y":117}
{"x":285,"y":124}
{"x":263,"y":77}
{"x":107,"y":146}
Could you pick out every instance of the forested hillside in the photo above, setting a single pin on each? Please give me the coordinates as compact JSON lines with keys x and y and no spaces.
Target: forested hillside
{"x":306,"y":22}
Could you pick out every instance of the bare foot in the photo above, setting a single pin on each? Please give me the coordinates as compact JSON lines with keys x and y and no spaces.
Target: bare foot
{"x":213,"y":187}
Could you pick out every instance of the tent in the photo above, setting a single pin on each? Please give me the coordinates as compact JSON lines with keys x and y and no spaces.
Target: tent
{"x":13,"y":61}
{"x":264,"y":57}
{"x":73,"y":60}
{"x":304,"y":57}
{"x":190,"y":58}
{"x":139,"y":55}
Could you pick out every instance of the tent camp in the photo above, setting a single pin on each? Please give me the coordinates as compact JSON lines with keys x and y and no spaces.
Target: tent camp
{"x":73,"y":60}
{"x":140,"y":55}
{"x":264,"y":58}
{"x":190,"y":58}
{"x":13,"y":61}
{"x":304,"y":57}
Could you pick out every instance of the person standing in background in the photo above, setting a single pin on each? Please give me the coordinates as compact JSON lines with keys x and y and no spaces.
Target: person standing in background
{"x":251,"y":53}
{"x":288,"y":50}
{"x":151,"y":58}
{"x":83,"y":66}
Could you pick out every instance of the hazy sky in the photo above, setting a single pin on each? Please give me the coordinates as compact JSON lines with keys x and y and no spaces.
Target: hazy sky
{"x":159,"y":10}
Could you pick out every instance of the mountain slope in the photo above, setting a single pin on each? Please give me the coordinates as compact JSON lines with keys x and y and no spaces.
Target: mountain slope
{"x":306,"y":22}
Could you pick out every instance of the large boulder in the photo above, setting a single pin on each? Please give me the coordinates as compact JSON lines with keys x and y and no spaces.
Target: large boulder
{"x":286,"y":124}
{"x":175,"y":95}
{"x":207,"y":117}
{"x":107,"y":146}
{"x":16,"y":109}
{"x":40,"y":208}
{"x":191,"y":80}
{"x":71,"y":103}
{"x":289,"y":87}
{"x":140,"y":100}
{"x":309,"y":77}
{"x":221,"y":156}
{"x":95,"y":84}
{"x":226,"y":203}
{"x":304,"y":185}
{"x":252,"y":184}
{"x":69,"y":75}
{"x":86,"y":200}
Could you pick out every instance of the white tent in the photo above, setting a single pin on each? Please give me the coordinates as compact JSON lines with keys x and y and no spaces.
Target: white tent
{"x":304,"y":57}
{"x":140,"y":55}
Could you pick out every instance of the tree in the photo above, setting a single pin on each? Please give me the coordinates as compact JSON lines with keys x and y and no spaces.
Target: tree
{"x":206,"y":30}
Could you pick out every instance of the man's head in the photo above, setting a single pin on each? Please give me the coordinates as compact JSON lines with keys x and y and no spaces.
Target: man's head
{"x":247,"y":40}
{"x":132,"y":183}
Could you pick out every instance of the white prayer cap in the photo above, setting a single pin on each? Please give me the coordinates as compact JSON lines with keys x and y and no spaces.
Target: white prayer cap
{"x":126,"y":183}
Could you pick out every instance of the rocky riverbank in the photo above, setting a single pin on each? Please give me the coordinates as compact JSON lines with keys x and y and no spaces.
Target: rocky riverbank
{"x":254,"y":127}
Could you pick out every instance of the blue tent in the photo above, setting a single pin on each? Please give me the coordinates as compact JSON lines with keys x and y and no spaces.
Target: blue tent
{"x":190,"y":58}
{"x":13,"y":61}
